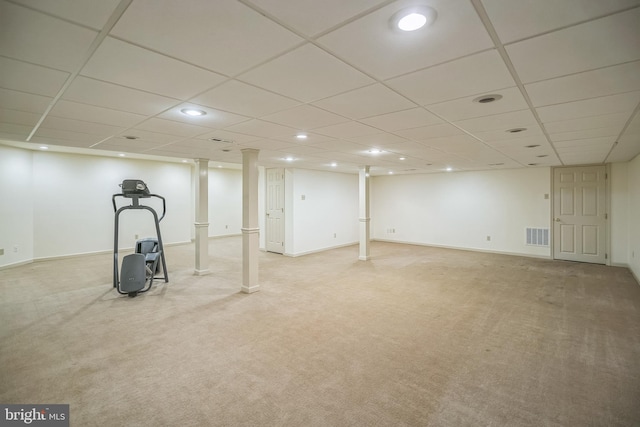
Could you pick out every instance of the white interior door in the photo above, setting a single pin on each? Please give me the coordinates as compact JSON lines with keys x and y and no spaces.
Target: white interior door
{"x":579,"y":226}
{"x":275,"y":210}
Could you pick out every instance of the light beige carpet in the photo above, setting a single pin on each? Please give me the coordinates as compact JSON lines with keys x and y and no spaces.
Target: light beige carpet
{"x":417,"y":336}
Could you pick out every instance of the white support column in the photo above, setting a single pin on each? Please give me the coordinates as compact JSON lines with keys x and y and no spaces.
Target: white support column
{"x":250,"y":226}
{"x":365,"y":220}
{"x":202,"y":217}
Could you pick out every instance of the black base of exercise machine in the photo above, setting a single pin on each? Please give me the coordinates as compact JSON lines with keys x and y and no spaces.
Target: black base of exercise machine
{"x":140,"y":268}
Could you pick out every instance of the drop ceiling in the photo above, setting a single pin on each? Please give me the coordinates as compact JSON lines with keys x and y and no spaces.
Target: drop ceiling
{"x":88,"y":75}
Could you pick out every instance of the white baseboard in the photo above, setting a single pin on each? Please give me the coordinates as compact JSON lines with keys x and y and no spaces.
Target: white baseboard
{"x":465,"y":249}
{"x":318,"y":250}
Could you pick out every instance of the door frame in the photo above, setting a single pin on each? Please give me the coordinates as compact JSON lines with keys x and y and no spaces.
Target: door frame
{"x":607,"y":198}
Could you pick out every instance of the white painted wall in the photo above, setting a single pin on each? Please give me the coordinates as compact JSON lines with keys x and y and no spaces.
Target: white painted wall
{"x":329,"y":208}
{"x":16,"y":205}
{"x":634,"y":216}
{"x":225,"y":202}
{"x":618,"y":214}
{"x":460,"y":210}
{"x":73,"y":212}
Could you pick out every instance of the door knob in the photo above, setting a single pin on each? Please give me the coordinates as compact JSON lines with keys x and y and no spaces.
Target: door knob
{"x":557,"y":219}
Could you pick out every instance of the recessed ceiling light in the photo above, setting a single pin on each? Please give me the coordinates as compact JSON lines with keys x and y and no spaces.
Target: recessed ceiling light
{"x":543,"y":155}
{"x":44,"y":147}
{"x":532,"y":164}
{"x":375,"y":151}
{"x":194,"y":112}
{"x":532,"y":146}
{"x":413,"y":18}
{"x":485,"y":99}
{"x":449,"y":169}
{"x":302,"y":136}
{"x":121,"y":155}
{"x":185,"y":161}
{"x":130,"y":137}
{"x":289,"y":159}
{"x":390,"y":172}
{"x":334,"y":164}
{"x":516,"y":130}
{"x":403,"y":158}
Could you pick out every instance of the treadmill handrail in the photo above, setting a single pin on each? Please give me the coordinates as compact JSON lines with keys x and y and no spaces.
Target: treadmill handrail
{"x":135,"y":205}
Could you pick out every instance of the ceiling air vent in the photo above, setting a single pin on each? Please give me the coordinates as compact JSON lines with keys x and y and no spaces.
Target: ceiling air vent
{"x":225,"y":141}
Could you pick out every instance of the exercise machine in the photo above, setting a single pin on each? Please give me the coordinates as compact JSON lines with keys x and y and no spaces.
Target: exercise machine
{"x":140,"y":268}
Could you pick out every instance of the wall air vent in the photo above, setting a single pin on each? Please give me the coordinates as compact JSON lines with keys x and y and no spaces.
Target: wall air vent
{"x":537,"y":236}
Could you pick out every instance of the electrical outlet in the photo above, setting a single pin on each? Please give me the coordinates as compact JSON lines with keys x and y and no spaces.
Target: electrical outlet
{"x":226,"y":227}
{"x":1,"y":251}
{"x":335,"y":235}
{"x":136,"y":237}
{"x":488,"y":238}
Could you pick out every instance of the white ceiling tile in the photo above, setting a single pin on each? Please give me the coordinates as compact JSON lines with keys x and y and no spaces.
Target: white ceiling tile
{"x":472,"y":75}
{"x":454,"y":144}
{"x":341,"y":146}
{"x":347,"y":130}
{"x":109,"y":95}
{"x":604,"y":42}
{"x":128,"y":146}
{"x":241,"y":98}
{"x":379,"y":140}
{"x":587,"y":123}
{"x":590,"y":84}
{"x":143,"y":69}
{"x":82,"y":139}
{"x":18,"y":117}
{"x":213,"y":119}
{"x":601,"y":143}
{"x":634,"y":125}
{"x":412,"y":118}
{"x":171,"y":127}
{"x":624,"y":102}
{"x":504,"y":121}
{"x":372,"y":45}
{"x":520,"y":142}
{"x":91,"y":113}
{"x":514,"y":21}
{"x":366,"y":102}
{"x":228,"y":136}
{"x":92,"y":13}
{"x":466,"y":108}
{"x":267,"y":144}
{"x":224,"y":36}
{"x":312,"y":138}
{"x":30,"y":78}
{"x":65,"y":139}
{"x":305,"y":117}
{"x":311,"y":17}
{"x":80,"y":126}
{"x":261,"y":128}
{"x":20,"y":101}
{"x":531,"y":130}
{"x":27,"y":35}
{"x":628,"y":147}
{"x":306,"y":74}
{"x":424,"y":133}
{"x":14,"y":131}
{"x":612,"y":132}
{"x":155,"y":138}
